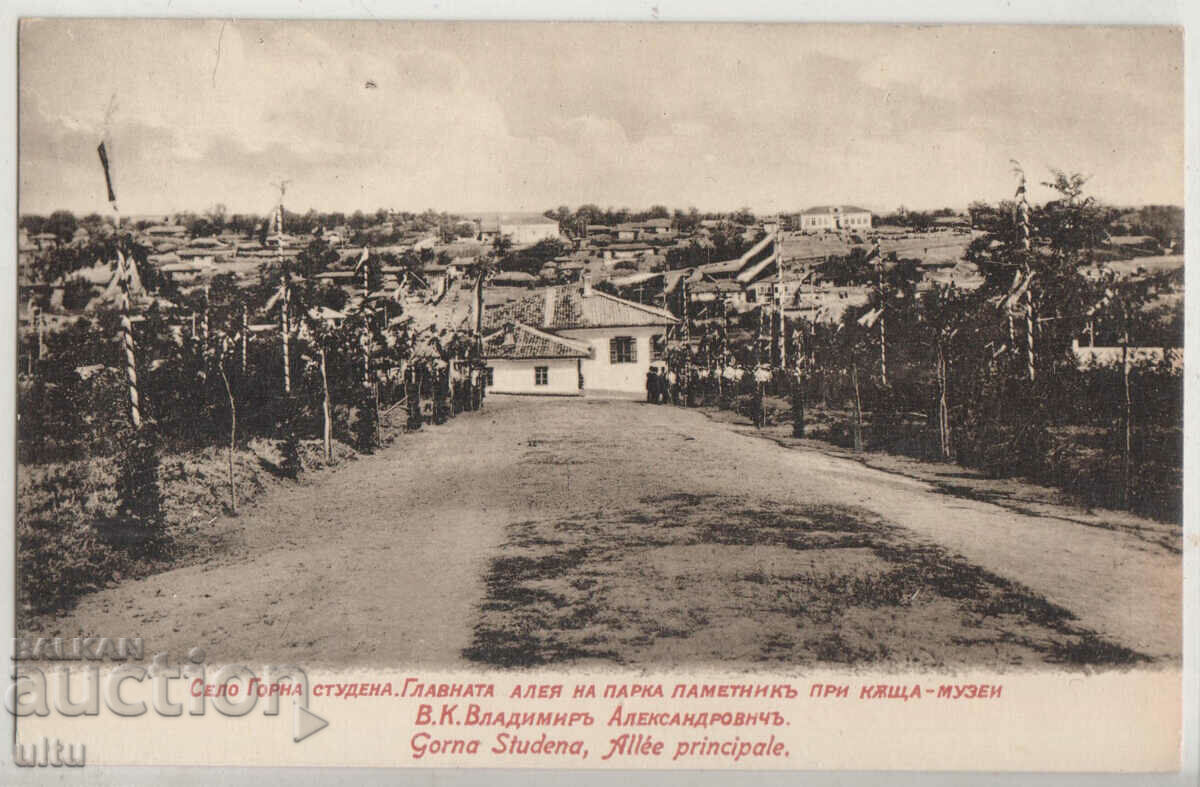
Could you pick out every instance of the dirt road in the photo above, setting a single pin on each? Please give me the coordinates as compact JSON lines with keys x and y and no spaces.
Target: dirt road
{"x":383,"y":561}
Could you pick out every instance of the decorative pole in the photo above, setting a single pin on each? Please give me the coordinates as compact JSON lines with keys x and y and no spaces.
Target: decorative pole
{"x":1127,"y":417}
{"x":882,"y":320}
{"x":780,"y":295}
{"x":1024,"y":231}
{"x":326,"y":430}
{"x":34,"y":316}
{"x":204,"y":324}
{"x":232,"y":420}
{"x":284,"y":326}
{"x":283,"y":329}
{"x":687,"y":328}
{"x":362,"y":263}
{"x":245,"y":334}
{"x":135,"y":408}
{"x":39,"y":325}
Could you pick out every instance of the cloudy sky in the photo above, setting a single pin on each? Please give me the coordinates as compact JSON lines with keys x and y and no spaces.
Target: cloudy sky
{"x":473,"y":117}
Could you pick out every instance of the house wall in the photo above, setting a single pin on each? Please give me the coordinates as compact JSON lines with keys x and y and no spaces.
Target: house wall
{"x":518,"y":376}
{"x":1112,"y":356}
{"x":526,"y":234}
{"x":829,"y":221}
{"x":601,"y":376}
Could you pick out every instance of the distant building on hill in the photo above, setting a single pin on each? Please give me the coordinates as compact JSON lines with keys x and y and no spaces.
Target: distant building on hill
{"x":834,"y":217}
{"x":521,"y":231}
{"x":529,"y":232}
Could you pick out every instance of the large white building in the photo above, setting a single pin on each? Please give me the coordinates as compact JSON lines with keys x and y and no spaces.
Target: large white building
{"x":835,"y":217}
{"x":532,"y":343}
{"x":522,"y":231}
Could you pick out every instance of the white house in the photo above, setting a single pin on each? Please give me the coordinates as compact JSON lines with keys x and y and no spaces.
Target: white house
{"x":529,"y":231}
{"x":835,"y":217}
{"x":1091,"y":356}
{"x":524,"y":360}
{"x":622,"y":337}
{"x":521,"y":230}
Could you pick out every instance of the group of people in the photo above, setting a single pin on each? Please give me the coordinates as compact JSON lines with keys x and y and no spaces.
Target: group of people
{"x":720,"y":385}
{"x":662,"y":384}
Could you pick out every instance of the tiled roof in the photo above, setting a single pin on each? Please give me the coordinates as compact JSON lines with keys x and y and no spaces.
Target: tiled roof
{"x":527,"y":220}
{"x":726,"y":268}
{"x":830,"y":209}
{"x":557,"y":308}
{"x":724,"y":285}
{"x":529,"y":343}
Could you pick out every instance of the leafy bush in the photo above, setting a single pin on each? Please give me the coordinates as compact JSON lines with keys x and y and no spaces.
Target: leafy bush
{"x":367,"y":423}
{"x":289,"y":443}
{"x":139,"y":524}
{"x":60,"y":554}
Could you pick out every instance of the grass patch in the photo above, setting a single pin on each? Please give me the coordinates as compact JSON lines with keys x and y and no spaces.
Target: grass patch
{"x":693,"y":579}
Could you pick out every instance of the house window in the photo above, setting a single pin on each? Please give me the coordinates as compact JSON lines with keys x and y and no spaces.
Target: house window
{"x":491,"y":375}
{"x":657,"y":346}
{"x":541,"y":375}
{"x":621,"y":349}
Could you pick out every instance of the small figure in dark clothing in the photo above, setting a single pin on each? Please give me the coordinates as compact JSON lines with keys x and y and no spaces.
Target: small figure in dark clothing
{"x":651,"y":385}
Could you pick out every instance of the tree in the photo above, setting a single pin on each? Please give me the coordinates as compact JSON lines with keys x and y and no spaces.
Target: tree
{"x":585,"y":215}
{"x":686,"y":223}
{"x":848,"y":269}
{"x":201,"y":227}
{"x":32,"y":223}
{"x":561,"y":214}
{"x":216,"y":216}
{"x":501,"y":247}
{"x":63,"y":224}
{"x":316,"y":257}
{"x":744,"y":216}
{"x":94,"y":224}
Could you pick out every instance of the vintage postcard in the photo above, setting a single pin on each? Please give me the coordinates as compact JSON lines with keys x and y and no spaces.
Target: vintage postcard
{"x":598,"y":396}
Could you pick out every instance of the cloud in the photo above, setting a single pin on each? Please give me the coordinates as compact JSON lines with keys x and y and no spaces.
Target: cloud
{"x":502,"y":116}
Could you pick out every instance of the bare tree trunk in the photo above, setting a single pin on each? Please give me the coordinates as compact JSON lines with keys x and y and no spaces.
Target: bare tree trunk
{"x":378,"y":427}
{"x":327,"y":430}
{"x":232,"y":435}
{"x":858,"y":436}
{"x":797,"y":393}
{"x":943,"y":404}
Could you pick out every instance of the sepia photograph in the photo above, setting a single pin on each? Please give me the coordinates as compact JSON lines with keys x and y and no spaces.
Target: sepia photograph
{"x":507,"y":349}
